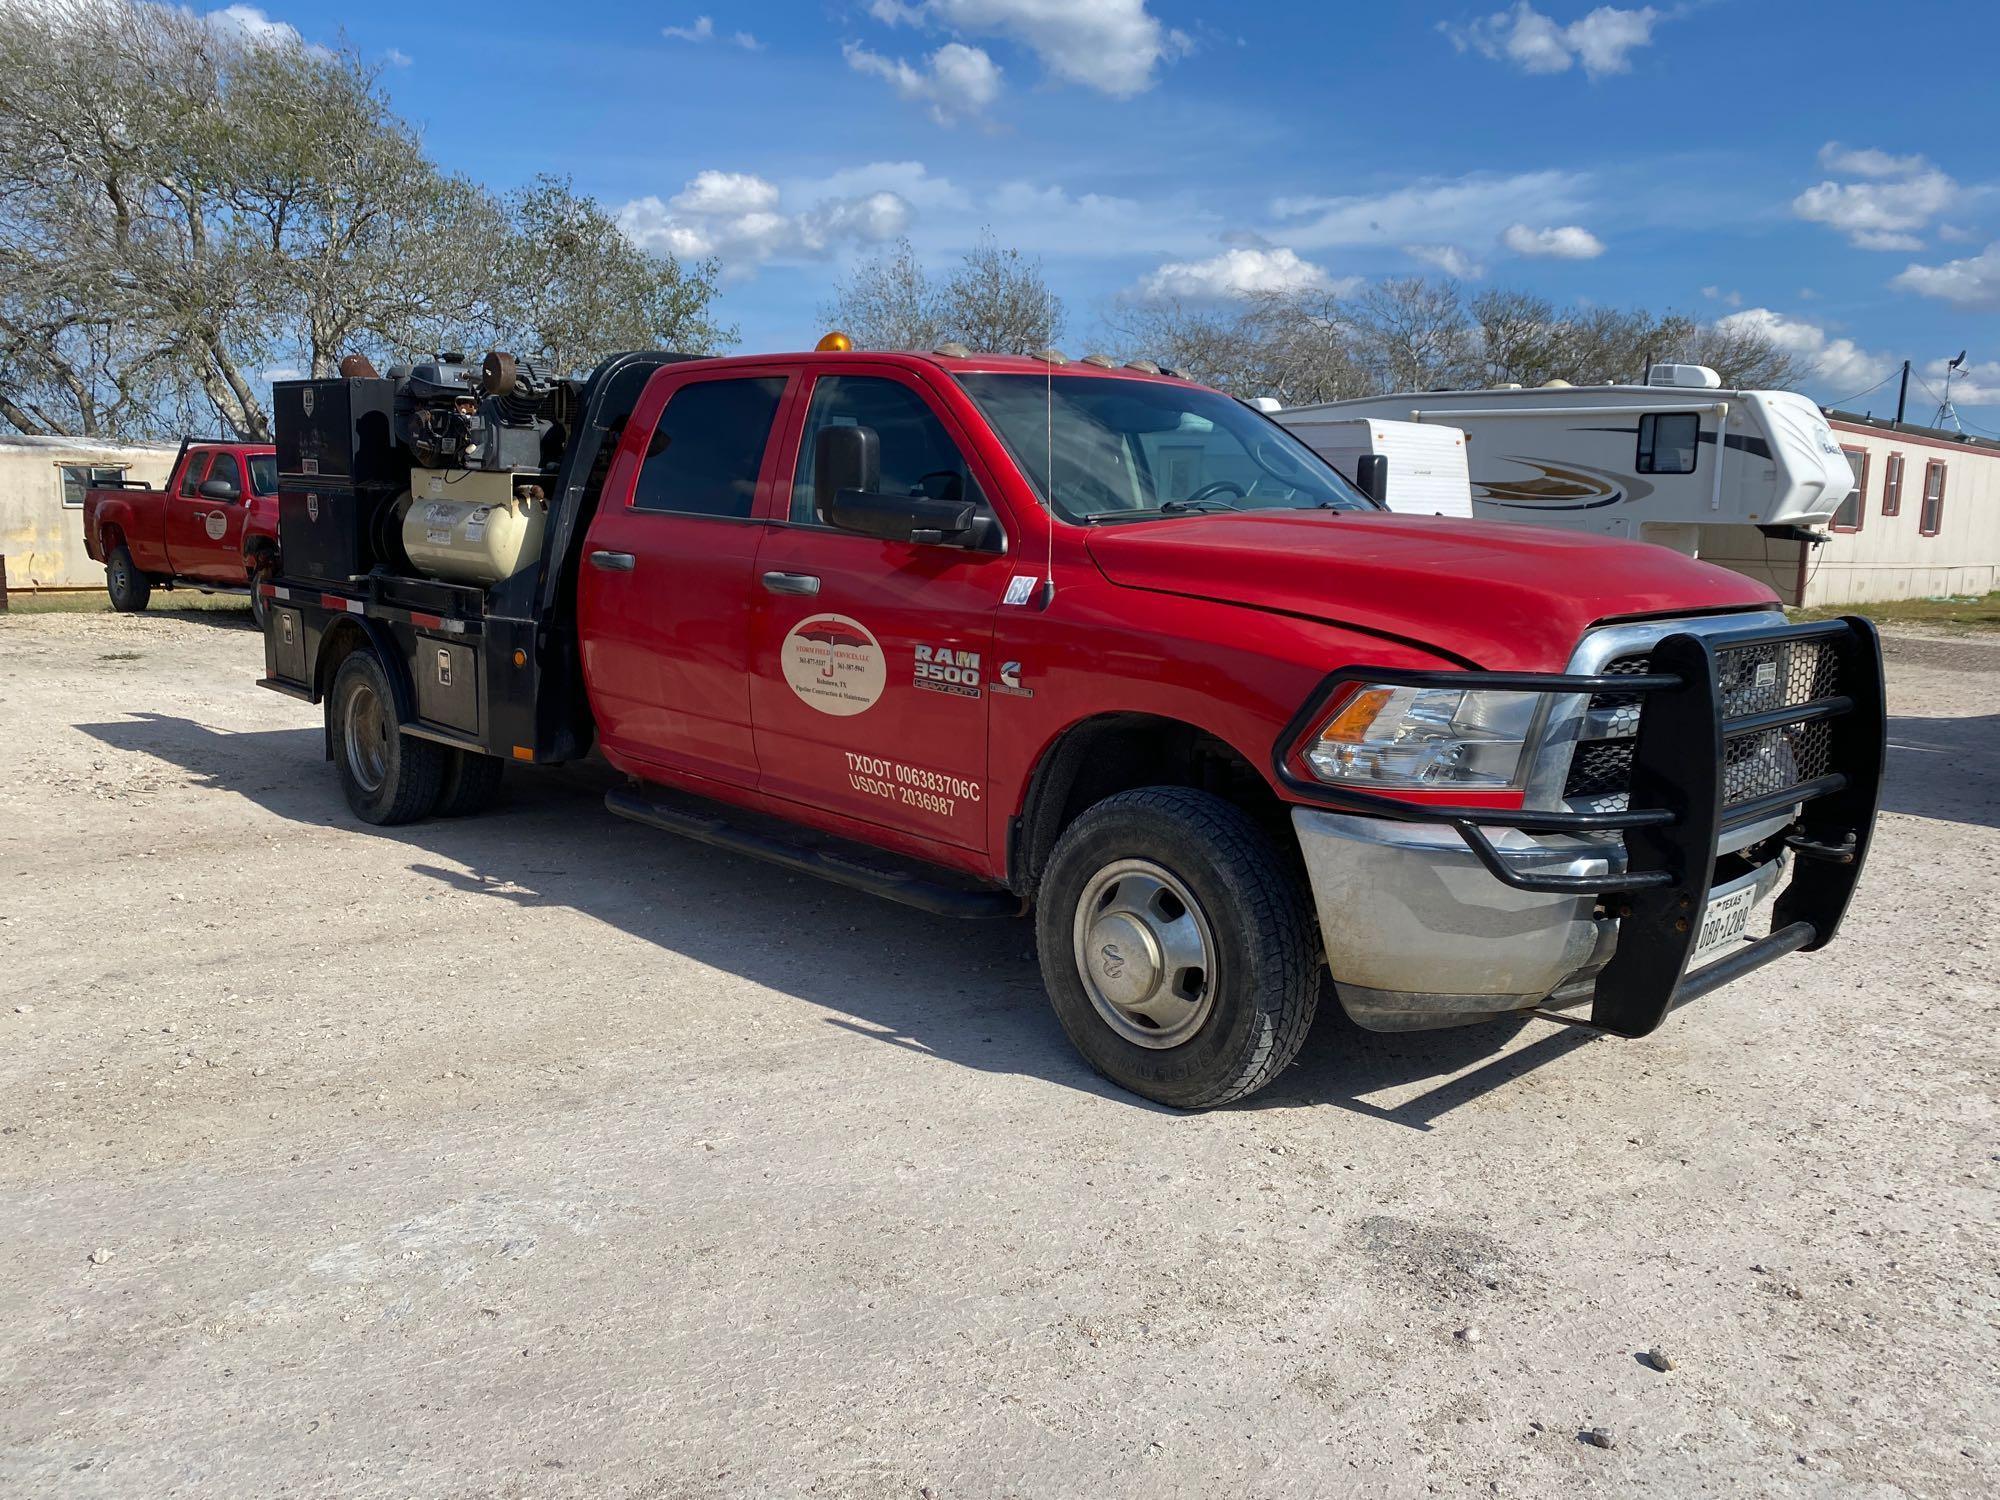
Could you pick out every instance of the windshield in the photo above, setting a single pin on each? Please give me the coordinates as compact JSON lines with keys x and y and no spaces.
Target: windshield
{"x":263,"y":473}
{"x":1137,"y":449}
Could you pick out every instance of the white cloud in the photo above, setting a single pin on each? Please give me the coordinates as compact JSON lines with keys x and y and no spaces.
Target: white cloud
{"x":1243,"y":272}
{"x":739,"y":220}
{"x":909,"y":180}
{"x":1867,"y":162}
{"x":1109,"y":45}
{"x":1838,"y":365}
{"x":1564,"y":242}
{"x":1717,"y":294}
{"x":1975,"y":384}
{"x":1447,"y":258}
{"x":1972,"y":282}
{"x":960,"y":81}
{"x":1601,"y":41}
{"x":1896,"y":199}
{"x":396,"y":57}
{"x":249,"y":24}
{"x":704,"y":30}
{"x":1431,"y":211}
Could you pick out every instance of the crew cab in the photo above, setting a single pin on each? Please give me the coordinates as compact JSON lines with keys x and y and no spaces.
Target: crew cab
{"x":212,"y":526}
{"x":993,"y":635}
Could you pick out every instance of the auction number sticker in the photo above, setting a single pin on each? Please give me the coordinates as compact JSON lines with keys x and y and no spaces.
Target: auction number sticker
{"x":834,"y":665}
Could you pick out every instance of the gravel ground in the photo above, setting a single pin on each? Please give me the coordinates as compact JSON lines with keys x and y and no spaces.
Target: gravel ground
{"x":542,"y":1155}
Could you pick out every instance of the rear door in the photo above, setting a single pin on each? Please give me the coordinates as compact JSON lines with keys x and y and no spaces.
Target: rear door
{"x":664,"y":591}
{"x":873,"y":658}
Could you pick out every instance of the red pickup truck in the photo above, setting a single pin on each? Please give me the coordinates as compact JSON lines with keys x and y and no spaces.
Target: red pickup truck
{"x":214,"y":525}
{"x":987,"y":635}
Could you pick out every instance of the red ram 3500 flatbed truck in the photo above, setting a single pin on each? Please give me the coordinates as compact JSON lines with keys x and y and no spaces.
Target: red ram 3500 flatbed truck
{"x":213,"y":525}
{"x":989,"y":634}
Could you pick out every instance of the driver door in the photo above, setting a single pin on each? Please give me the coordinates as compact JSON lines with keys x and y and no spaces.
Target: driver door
{"x":871,"y":658}
{"x":213,"y":551}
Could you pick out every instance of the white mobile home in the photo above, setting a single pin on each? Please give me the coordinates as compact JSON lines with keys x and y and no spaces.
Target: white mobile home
{"x":42,"y":480}
{"x":1921,"y":520}
{"x":1666,"y":462}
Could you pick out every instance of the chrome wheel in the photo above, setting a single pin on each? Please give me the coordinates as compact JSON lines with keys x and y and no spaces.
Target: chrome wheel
{"x":366,"y":736}
{"x":1145,"y":953}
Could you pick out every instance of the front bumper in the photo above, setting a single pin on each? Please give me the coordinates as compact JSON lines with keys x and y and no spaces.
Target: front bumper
{"x":1420,"y":934}
{"x":1435,"y":914}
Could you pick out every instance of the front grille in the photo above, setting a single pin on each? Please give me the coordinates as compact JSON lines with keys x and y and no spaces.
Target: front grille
{"x":1753,"y":680}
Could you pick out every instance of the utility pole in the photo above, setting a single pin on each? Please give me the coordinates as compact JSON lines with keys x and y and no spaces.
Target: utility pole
{"x":1903,"y":395}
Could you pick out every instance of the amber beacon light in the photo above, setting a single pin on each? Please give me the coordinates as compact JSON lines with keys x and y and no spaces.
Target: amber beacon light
{"x":834,"y":343}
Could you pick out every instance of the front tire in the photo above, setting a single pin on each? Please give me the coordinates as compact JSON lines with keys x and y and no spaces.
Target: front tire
{"x":388,"y":776}
{"x":1177,"y":946}
{"x":259,"y":573}
{"x":130,"y":590}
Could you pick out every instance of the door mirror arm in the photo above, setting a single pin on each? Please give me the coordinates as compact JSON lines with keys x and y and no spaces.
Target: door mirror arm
{"x":902,"y":518}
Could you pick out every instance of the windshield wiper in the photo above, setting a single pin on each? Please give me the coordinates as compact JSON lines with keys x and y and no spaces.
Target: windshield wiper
{"x":1195,"y":507}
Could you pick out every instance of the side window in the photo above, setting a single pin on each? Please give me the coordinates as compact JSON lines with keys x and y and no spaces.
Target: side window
{"x":705,"y":454}
{"x":191,"y":475}
{"x":76,"y":478}
{"x":1853,"y":510}
{"x":918,"y":454}
{"x":1668,"y":442}
{"x":264,"y":473}
{"x":1892,"y":485}
{"x":1931,"y":522}
{"x":225,"y":467}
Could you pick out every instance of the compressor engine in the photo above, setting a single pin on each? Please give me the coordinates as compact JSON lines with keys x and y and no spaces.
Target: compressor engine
{"x":480,"y":443}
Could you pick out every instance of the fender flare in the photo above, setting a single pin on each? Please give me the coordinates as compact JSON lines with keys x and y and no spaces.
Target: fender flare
{"x":345,"y":636}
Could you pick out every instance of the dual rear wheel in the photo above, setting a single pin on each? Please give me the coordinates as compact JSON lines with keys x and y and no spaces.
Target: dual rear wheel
{"x":390,"y":777}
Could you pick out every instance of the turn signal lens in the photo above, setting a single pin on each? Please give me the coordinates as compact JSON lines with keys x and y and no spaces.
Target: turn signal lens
{"x":834,"y":343}
{"x":1388,"y":736}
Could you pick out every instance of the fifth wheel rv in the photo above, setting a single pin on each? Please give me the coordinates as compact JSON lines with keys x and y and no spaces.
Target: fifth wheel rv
{"x":1661,"y":462}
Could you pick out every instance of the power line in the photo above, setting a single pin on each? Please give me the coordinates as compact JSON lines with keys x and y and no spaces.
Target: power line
{"x":1870,"y":391}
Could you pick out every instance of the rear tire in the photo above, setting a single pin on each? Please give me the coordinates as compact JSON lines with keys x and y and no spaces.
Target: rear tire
{"x":388,"y":776}
{"x":260,"y":572}
{"x":471,"y":783}
{"x":130,"y":590}
{"x":1178,"y":947}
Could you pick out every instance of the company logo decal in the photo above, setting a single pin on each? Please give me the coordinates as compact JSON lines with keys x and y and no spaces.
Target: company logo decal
{"x":834,"y":665}
{"x":941,"y":669}
{"x":306,"y":400}
{"x":312,"y":507}
{"x":215,"y":523}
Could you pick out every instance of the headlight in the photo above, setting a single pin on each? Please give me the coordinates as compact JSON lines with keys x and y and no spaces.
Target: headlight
{"x":1387,"y":736}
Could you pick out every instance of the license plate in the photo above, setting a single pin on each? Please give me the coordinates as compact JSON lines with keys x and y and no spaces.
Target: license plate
{"x":1723,"y":924}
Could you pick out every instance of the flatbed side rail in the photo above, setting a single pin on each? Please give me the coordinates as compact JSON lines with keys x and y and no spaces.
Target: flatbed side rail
{"x":1679,"y":807}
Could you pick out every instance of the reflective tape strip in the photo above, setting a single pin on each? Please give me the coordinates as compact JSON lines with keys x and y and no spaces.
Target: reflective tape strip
{"x":428,"y":622}
{"x":336,"y":601}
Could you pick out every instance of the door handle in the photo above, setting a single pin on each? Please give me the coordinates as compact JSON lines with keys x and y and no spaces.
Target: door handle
{"x":791,"y":583}
{"x":612,"y":562}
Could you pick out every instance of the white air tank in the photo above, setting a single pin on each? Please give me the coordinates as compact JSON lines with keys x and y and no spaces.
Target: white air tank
{"x":468,"y":526}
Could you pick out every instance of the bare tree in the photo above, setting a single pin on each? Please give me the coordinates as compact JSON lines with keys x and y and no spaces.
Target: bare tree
{"x":888,"y":302}
{"x":1413,"y":334}
{"x":997,"y":301}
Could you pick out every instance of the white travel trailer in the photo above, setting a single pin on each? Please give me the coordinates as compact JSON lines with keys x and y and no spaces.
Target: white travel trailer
{"x":1661,"y":462}
{"x":1427,"y":474}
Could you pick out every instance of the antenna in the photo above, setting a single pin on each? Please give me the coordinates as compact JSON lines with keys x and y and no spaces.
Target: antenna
{"x":1049,"y":438}
{"x":1946,"y":412}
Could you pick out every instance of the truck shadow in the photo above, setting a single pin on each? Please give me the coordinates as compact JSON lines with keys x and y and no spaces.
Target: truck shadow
{"x":966,"y":992}
{"x":1944,"y":768}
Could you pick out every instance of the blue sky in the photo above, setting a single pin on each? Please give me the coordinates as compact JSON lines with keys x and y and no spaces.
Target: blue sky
{"x":1830,"y":170}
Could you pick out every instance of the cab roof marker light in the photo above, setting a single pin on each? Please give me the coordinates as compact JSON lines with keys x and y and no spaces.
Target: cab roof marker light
{"x":1102,"y":361}
{"x":1050,"y":356}
{"x":953,"y":349}
{"x":1143,"y":366}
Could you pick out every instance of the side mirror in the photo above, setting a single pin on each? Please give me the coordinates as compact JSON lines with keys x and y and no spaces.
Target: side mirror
{"x":845,"y":458}
{"x":1371,"y":477}
{"x":220,"y":489}
{"x":901,"y":518}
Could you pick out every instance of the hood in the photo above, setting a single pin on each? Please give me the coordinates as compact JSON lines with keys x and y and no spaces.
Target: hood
{"x":1504,"y":595}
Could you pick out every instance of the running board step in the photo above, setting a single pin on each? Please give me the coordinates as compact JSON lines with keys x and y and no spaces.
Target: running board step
{"x":853,"y":865}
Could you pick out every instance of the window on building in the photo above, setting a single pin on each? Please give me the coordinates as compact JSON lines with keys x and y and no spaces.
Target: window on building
{"x":1892,"y":485}
{"x":1854,"y":509}
{"x":706,"y":453}
{"x":918,"y":454}
{"x":1931,"y":521}
{"x":76,"y":478}
{"x":1669,"y":442}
